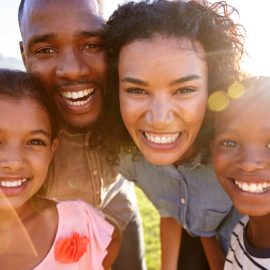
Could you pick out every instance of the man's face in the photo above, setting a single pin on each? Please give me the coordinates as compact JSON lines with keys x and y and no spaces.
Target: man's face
{"x":63,"y":45}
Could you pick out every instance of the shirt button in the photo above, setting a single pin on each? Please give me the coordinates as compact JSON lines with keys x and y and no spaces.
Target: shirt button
{"x":95,"y":172}
{"x":183,"y":201}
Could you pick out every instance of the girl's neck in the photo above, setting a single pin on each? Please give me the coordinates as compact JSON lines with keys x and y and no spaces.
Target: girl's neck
{"x":27,"y":232}
{"x":258,"y":231}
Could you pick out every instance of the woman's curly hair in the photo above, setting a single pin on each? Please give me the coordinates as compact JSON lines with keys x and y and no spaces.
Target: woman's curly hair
{"x":198,"y":21}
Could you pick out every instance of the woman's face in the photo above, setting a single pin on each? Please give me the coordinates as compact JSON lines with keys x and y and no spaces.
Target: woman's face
{"x":163,"y":95}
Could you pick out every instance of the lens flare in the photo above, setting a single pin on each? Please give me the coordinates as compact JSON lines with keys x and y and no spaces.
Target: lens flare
{"x":218,"y":101}
{"x":236,"y":90}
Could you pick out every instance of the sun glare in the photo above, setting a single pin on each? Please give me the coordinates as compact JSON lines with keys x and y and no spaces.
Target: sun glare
{"x":255,"y":18}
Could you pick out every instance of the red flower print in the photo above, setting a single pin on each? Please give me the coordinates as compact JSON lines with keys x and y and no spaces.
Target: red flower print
{"x":70,"y":249}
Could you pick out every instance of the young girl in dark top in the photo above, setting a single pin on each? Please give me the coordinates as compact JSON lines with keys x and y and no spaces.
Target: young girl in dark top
{"x":241,"y":156}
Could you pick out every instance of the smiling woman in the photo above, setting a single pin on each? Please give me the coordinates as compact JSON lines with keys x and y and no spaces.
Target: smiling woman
{"x":163,"y":113}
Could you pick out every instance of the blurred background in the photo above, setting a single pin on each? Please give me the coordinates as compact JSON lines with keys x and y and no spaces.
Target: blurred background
{"x":254,"y":15}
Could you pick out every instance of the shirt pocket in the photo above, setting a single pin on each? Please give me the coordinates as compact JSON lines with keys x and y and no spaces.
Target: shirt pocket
{"x":213,"y":218}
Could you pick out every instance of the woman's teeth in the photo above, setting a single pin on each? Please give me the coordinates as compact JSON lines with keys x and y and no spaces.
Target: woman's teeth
{"x":253,"y":187}
{"x":161,"y":139}
{"x":15,"y":183}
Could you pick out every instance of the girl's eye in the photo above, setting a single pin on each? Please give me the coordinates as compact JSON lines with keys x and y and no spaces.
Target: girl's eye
{"x":136,"y":91}
{"x":185,"y":90}
{"x":37,"y":142}
{"x":229,"y":144}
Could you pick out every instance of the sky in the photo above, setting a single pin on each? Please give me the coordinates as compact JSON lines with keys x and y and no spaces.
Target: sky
{"x":254,"y":15}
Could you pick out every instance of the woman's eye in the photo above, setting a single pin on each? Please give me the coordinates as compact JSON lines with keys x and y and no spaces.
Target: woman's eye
{"x":37,"y":142}
{"x":136,"y":91}
{"x":185,"y":90}
{"x":229,"y":144}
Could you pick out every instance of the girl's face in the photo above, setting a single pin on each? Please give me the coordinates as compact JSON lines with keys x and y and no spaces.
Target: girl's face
{"x":163,"y":95}
{"x":26,"y":150}
{"x":241,"y":153}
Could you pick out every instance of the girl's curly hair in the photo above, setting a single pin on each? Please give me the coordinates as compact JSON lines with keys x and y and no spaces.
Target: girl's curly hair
{"x":198,"y":21}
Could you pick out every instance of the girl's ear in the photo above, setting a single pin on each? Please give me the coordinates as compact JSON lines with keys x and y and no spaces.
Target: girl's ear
{"x":54,"y":146}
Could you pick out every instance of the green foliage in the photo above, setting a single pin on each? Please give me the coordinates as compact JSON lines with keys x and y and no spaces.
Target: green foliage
{"x":150,"y":219}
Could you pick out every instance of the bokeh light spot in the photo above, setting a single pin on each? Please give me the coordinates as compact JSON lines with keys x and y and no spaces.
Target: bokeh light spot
{"x":218,"y":101}
{"x":236,"y":90}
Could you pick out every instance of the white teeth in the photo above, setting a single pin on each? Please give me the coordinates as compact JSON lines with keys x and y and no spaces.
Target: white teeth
{"x":253,"y":187}
{"x":76,"y":95}
{"x":78,"y":103}
{"x":15,"y":183}
{"x":161,"y":139}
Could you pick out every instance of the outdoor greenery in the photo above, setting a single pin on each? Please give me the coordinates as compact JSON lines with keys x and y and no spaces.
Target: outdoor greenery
{"x":150,"y":219}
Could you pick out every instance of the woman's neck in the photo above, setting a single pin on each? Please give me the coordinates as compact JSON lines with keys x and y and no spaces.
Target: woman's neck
{"x":190,"y":153}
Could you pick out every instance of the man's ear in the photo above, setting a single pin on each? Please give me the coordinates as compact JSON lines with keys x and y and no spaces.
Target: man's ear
{"x":22,"y":53}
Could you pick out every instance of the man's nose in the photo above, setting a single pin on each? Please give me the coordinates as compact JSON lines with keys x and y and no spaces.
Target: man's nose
{"x":72,"y":65}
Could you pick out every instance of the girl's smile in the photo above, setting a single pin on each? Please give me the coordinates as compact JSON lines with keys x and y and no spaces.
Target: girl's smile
{"x":26,"y":149}
{"x":241,"y":152}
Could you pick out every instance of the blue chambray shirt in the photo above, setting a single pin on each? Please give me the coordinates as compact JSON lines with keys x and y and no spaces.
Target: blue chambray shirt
{"x":189,"y":193}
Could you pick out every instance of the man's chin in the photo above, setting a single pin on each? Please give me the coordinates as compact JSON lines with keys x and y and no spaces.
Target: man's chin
{"x":77,"y":128}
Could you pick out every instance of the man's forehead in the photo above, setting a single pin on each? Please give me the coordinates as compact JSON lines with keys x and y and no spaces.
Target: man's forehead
{"x":47,"y":17}
{"x":50,"y":6}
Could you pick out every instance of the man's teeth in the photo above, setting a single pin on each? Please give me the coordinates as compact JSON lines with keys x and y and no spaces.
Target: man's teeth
{"x":16,"y":183}
{"x":71,"y":98}
{"x":78,"y":103}
{"x":253,"y":187}
{"x":161,"y":139}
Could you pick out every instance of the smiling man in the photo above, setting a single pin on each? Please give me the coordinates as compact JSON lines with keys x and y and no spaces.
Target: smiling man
{"x":62,"y":43}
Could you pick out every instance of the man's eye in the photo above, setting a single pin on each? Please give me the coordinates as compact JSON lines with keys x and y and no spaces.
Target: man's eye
{"x":37,"y":142}
{"x":229,"y":144}
{"x":46,"y":51}
{"x":93,"y":47}
{"x":185,"y":90}
{"x":136,"y":91}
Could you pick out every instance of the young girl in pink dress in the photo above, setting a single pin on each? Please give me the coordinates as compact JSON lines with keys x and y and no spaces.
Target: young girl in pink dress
{"x":38,"y":233}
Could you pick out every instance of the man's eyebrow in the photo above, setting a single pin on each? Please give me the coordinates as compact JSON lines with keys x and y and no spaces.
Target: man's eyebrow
{"x":186,"y":79}
{"x":135,"y":81}
{"x":40,"y":38}
{"x":97,"y":33}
